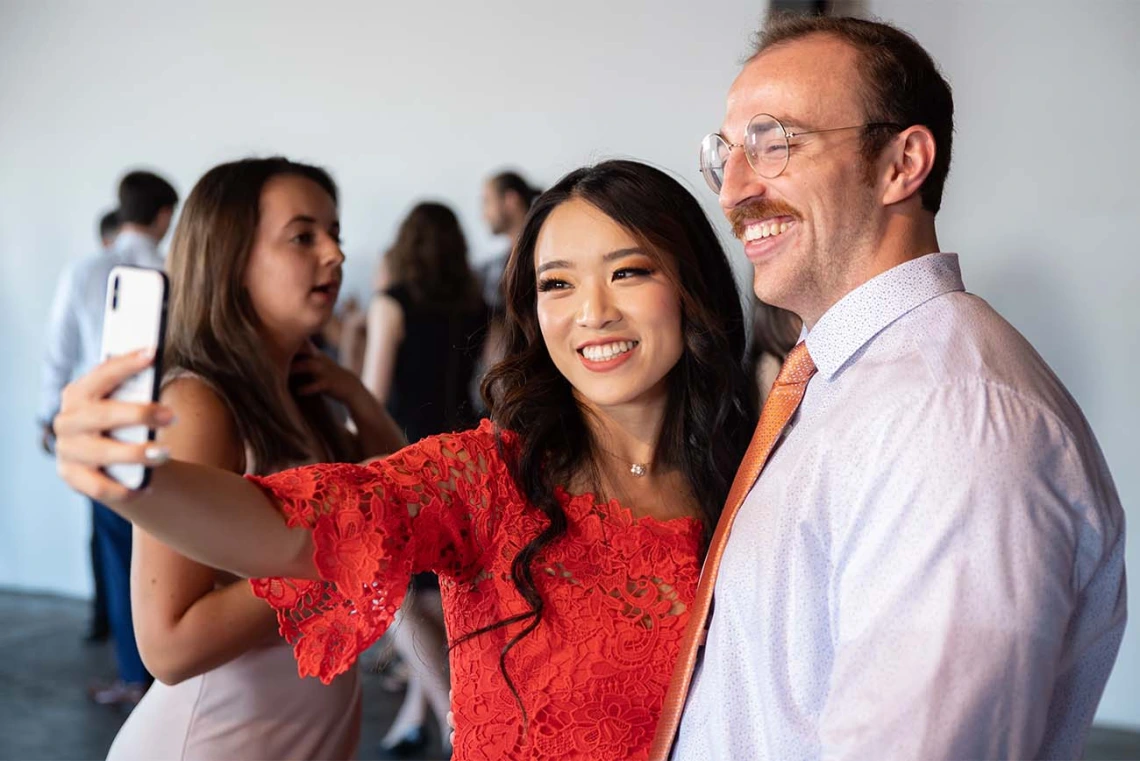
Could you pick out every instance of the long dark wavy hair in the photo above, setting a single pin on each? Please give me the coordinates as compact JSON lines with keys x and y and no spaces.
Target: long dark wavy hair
{"x":710,"y":415}
{"x":429,"y":258}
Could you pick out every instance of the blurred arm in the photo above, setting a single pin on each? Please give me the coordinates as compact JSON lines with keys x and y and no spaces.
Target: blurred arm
{"x":62,"y":349}
{"x":384,"y":335}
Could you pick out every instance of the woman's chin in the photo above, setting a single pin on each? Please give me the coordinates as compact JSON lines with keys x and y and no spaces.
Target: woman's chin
{"x":605,"y":396}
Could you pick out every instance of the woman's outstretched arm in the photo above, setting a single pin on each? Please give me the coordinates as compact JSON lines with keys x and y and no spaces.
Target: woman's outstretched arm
{"x":208,"y":514}
{"x":434,"y":506}
{"x":220,"y":519}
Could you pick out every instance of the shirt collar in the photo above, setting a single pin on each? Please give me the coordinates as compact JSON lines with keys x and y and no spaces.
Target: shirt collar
{"x":860,"y":315}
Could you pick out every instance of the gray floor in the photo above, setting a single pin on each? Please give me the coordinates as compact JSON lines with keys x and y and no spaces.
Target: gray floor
{"x":44,"y":668}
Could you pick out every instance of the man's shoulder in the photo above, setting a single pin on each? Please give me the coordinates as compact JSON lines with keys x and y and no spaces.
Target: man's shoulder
{"x":953,"y":409}
{"x":86,"y":280}
{"x":959,"y":377}
{"x":92,"y":264}
{"x":959,"y":341}
{"x":951,"y":382}
{"x":94,"y":268}
{"x":77,"y":275}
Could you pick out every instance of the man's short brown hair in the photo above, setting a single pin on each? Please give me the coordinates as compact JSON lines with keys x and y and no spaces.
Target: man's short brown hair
{"x":901,"y":84}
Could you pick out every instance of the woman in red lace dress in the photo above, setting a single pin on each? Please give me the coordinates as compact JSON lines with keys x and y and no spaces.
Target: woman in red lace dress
{"x":567,"y":533}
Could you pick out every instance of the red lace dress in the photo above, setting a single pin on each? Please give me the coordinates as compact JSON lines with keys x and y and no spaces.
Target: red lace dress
{"x":592,"y":676}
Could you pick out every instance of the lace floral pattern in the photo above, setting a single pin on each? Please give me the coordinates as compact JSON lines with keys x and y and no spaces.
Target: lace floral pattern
{"x":592,"y":676}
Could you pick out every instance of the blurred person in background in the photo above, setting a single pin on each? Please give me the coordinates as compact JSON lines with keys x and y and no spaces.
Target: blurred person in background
{"x":425,"y":333}
{"x":255,"y":270}
{"x":73,"y":341}
{"x":109,"y":225}
{"x":507,"y":197}
{"x":426,"y":326}
{"x":99,"y":629}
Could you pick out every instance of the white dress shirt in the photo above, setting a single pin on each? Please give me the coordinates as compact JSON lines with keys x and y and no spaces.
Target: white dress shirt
{"x":75,"y":326}
{"x":932,"y":563}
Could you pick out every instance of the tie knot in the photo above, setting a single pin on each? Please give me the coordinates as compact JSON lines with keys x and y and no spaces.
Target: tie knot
{"x":798,"y":367}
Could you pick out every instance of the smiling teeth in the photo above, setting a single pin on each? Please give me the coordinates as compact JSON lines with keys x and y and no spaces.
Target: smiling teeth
{"x":764,"y":230}
{"x":602,"y":352}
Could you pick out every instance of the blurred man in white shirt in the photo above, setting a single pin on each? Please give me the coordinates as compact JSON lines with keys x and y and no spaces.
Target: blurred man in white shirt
{"x":74,"y":336}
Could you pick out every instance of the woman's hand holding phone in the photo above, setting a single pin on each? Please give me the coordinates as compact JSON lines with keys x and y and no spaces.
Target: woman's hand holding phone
{"x":83,"y":445}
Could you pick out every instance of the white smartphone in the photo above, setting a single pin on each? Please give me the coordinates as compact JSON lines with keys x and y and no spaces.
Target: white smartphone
{"x":134,"y":318}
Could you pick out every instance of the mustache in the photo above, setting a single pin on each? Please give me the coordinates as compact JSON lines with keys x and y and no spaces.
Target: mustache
{"x":764,"y":208}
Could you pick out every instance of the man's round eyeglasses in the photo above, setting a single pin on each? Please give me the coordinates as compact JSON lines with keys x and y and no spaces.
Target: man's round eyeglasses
{"x":766,"y":146}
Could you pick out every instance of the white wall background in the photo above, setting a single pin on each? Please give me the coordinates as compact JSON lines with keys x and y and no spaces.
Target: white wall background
{"x":423,"y":100}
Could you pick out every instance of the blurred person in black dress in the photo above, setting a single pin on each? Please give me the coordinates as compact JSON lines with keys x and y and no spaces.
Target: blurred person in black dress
{"x":425,"y":331}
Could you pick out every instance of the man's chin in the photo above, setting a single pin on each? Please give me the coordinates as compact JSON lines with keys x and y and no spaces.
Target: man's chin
{"x":770,"y":291}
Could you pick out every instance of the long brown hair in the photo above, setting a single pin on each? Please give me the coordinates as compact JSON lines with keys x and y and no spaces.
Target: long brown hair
{"x":213,"y":328}
{"x":710,"y":415}
{"x":429,"y":259}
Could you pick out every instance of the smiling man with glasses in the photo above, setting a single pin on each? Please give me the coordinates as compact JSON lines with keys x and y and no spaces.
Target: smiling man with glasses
{"x":923,"y":554}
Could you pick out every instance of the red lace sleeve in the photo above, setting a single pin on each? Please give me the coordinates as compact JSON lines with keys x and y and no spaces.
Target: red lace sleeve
{"x":424,"y":508}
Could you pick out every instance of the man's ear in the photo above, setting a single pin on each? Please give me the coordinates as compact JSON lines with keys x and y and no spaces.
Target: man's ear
{"x":905,"y":163}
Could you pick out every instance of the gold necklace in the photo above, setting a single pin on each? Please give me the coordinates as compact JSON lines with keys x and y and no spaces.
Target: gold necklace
{"x":636,"y":469}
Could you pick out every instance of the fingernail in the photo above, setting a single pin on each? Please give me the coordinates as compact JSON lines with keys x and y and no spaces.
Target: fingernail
{"x":164,"y":416}
{"x":147,"y":353}
{"x":156,"y":455}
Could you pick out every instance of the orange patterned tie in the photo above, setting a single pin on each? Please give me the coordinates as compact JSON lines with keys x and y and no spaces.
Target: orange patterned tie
{"x":781,"y":404}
